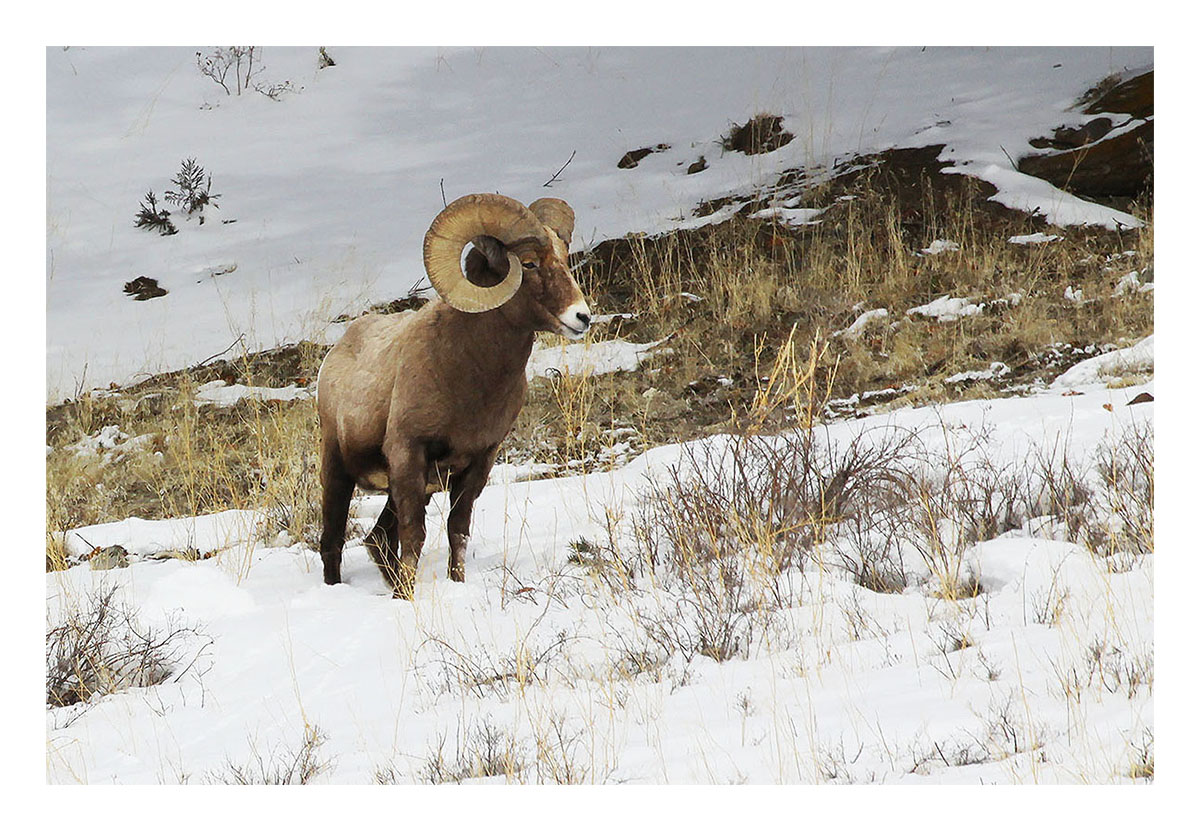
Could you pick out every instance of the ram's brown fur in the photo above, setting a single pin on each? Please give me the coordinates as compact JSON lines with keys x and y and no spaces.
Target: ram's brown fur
{"x":417,"y":402}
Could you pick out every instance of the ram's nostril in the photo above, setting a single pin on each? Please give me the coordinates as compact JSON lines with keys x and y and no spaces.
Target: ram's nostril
{"x":584,"y":318}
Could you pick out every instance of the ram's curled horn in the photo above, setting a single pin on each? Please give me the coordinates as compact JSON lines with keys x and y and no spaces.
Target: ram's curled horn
{"x":461,"y":221}
{"x":556,"y":215}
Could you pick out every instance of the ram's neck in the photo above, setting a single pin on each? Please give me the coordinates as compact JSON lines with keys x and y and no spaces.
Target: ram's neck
{"x":484,"y":345}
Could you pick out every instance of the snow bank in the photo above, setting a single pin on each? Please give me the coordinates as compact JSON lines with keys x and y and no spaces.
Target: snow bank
{"x":536,"y":647}
{"x":206,"y":534}
{"x":318,"y":230}
{"x":592,"y":358}
{"x":226,"y":395}
{"x":1136,"y":359}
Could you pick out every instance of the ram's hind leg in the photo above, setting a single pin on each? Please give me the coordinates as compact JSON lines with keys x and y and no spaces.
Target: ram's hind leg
{"x":336,"y":489}
{"x":381,"y":544}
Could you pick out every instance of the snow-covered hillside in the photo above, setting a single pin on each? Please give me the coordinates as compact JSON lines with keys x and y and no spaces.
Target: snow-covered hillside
{"x":1045,"y":675}
{"x":333,"y":186}
{"x":994,"y":625}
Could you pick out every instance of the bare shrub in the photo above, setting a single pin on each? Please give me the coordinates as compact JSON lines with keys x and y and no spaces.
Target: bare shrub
{"x":100,"y":647}
{"x":1126,"y":469}
{"x":717,"y":619}
{"x":1142,"y":765}
{"x":775,"y":498}
{"x":961,"y":496}
{"x":1059,"y":488}
{"x":484,"y":672}
{"x":1119,"y":669}
{"x":1107,"y":507}
{"x":153,"y":218}
{"x":871,"y":548}
{"x":481,"y":750}
{"x":193,"y":189}
{"x":557,"y":749}
{"x":240,"y":67}
{"x":280,"y":765}
{"x":223,"y":61}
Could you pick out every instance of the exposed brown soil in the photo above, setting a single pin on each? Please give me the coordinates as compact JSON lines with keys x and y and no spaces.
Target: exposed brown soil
{"x":1091,"y":161}
{"x":631,"y":159}
{"x":144,"y":288}
{"x":761,"y":134}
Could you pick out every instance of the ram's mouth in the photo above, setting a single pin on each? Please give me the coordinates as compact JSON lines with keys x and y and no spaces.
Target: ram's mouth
{"x":571,"y":332}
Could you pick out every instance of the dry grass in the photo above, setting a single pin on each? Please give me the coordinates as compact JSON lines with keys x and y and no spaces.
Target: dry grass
{"x":750,"y":307}
{"x":280,"y":765}
{"x":762,"y":284}
{"x":174,"y":458}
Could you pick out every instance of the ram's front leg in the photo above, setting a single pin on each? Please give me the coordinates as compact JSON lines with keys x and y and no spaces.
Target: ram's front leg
{"x":406,"y":489}
{"x":465,"y":487}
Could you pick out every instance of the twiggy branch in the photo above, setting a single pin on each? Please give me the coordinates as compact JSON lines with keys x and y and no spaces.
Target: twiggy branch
{"x":554,"y":178}
{"x":222,"y":352}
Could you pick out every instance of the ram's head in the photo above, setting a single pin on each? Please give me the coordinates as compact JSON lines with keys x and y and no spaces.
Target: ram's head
{"x":517,"y":263}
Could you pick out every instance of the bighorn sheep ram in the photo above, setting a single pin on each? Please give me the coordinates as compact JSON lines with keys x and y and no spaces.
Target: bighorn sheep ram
{"x":417,"y":403}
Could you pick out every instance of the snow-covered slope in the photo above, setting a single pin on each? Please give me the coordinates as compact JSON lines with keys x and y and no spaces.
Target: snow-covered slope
{"x":333,"y":186}
{"x":1045,"y":676}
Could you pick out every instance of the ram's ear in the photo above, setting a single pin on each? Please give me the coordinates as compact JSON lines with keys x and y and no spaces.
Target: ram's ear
{"x":556,"y":215}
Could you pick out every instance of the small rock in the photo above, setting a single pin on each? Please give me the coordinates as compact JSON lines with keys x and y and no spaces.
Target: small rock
{"x":144,"y":288}
{"x":632,"y":158}
{"x":113,"y":556}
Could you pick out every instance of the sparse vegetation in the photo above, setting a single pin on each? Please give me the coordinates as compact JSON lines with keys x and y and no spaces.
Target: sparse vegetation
{"x":481,"y":750}
{"x":153,"y":218}
{"x":97,"y":646}
{"x":279,"y":765}
{"x":784,"y":594}
{"x":193,"y":189}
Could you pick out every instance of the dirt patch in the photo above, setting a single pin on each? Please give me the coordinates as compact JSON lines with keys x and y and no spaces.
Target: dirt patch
{"x":761,"y":134}
{"x":631,"y":159}
{"x":1119,"y":168}
{"x":1134,"y":96}
{"x":1091,"y":161}
{"x":1071,"y":138}
{"x":912,"y":176}
{"x":144,"y":288}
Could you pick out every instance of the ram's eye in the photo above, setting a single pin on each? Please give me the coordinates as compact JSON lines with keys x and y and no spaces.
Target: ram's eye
{"x":529,"y":266}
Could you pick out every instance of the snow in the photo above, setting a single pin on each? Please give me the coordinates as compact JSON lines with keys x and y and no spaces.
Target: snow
{"x":855,"y":329}
{"x":994,"y":372}
{"x":791,"y":216}
{"x":226,"y":395}
{"x":1132,"y":360}
{"x":332,"y":187}
{"x":224,"y":531}
{"x":938,"y":246}
{"x":1033,"y":239}
{"x":1024,"y":193}
{"x":590,"y":358}
{"x":108,"y":443}
{"x":947,"y":309}
{"x":1131,"y":283}
{"x":852,"y":684}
